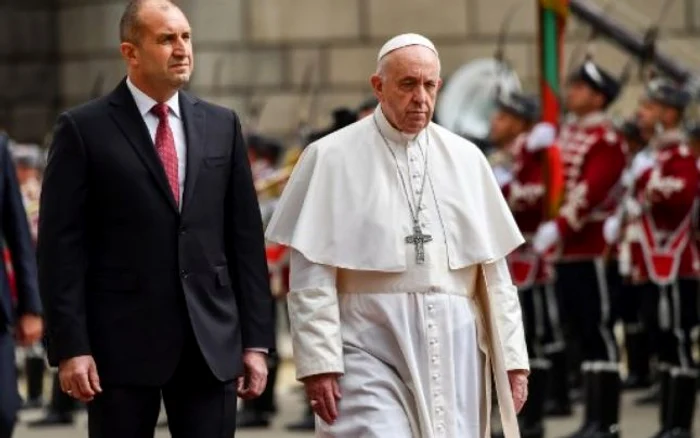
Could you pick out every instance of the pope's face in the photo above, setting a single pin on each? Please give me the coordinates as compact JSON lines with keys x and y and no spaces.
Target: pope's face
{"x":407,"y":85}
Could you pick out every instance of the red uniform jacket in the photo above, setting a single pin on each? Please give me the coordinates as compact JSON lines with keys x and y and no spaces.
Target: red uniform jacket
{"x":664,"y":249}
{"x":525,"y":195}
{"x":593,"y":155}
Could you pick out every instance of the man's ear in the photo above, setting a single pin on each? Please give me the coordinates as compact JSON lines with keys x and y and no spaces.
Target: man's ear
{"x":377,"y":86}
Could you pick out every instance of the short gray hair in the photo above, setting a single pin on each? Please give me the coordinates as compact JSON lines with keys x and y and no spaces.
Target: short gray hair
{"x":130,"y":23}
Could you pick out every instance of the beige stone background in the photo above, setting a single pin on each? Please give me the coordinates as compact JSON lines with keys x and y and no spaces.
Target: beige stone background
{"x":252,"y":52}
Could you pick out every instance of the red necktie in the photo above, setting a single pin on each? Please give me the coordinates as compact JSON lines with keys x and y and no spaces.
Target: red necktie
{"x":165,"y":146}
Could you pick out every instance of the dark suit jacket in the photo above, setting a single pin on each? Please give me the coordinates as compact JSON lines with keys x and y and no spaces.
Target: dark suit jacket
{"x":14,"y":232}
{"x":124,"y":275}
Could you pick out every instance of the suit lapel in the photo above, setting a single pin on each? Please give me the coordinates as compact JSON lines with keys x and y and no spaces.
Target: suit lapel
{"x":127,"y":117}
{"x":195,"y":123}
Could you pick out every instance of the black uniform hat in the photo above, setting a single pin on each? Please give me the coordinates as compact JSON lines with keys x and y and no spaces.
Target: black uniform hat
{"x":368,"y":104}
{"x":668,"y":93}
{"x":520,"y":105}
{"x":598,"y":79}
{"x":342,"y":117}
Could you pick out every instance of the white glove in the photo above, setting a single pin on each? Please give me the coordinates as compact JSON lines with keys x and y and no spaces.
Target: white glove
{"x":627,"y":178}
{"x":611,"y":230}
{"x":640,"y":164}
{"x":632,"y":207}
{"x":503,"y":176}
{"x":546,"y":236}
{"x":541,"y":137}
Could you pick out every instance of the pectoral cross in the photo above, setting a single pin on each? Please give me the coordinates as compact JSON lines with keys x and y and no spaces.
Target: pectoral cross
{"x":418,"y":239}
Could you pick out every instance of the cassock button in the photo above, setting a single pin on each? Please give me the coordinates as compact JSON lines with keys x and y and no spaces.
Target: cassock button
{"x":184,"y":274}
{"x":430,"y":306}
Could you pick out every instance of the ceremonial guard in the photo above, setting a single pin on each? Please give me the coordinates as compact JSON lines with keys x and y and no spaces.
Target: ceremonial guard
{"x":619,"y":235}
{"x":520,"y":158}
{"x":665,"y":258}
{"x":594,"y":158}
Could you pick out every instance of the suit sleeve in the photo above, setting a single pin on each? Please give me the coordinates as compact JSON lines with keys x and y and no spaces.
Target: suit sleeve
{"x":505,"y":306}
{"x":245,"y":251}
{"x":604,"y":165}
{"x":19,"y":240}
{"x":62,"y":243}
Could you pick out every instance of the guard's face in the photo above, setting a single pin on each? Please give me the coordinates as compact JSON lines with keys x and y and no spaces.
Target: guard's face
{"x":649,"y":114}
{"x":580,"y":98}
{"x":504,"y":127}
{"x":408,"y":87}
{"x":163,"y":53}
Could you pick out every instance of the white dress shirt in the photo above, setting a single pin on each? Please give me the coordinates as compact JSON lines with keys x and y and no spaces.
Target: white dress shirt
{"x":145,"y":104}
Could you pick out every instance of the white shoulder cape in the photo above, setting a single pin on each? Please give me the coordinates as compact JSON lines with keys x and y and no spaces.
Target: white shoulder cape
{"x":344,"y":206}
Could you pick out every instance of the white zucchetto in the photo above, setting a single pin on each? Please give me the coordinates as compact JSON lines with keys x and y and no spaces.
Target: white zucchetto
{"x":404,"y":40}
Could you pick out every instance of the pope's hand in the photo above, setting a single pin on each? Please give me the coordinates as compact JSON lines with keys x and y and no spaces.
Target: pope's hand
{"x":542,"y":136}
{"x":253,"y":383}
{"x":323,"y":392}
{"x":518,"y":387}
{"x":78,"y":378}
{"x":546,"y":236}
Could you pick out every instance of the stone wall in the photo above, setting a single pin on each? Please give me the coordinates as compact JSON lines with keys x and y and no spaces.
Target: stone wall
{"x":28,"y":64}
{"x":268,"y":52}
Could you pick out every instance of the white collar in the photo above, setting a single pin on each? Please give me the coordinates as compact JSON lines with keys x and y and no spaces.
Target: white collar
{"x":593,"y":119}
{"x":145,"y":103}
{"x":391,"y":133}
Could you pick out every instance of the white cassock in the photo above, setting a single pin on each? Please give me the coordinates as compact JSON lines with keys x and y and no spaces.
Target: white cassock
{"x":415,"y":342}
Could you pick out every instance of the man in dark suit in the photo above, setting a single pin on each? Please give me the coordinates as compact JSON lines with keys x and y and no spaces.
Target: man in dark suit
{"x":151,"y":248}
{"x":23,"y":318}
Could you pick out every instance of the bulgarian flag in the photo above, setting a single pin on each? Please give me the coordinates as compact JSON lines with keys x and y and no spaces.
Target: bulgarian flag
{"x":552,"y":16}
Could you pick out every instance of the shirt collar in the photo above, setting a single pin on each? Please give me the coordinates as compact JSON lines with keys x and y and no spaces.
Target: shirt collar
{"x":391,"y":133}
{"x":145,"y":103}
{"x":670,"y":137}
{"x":592,"y":119}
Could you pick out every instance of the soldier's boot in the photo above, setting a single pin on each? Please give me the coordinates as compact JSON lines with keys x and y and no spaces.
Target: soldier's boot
{"x":608,"y":386}
{"x":664,"y":385}
{"x":638,"y":357}
{"x":653,"y":395}
{"x":558,"y":403}
{"x":34,"y":367}
{"x":60,"y":410}
{"x":681,"y":406}
{"x":531,"y":418}
{"x":256,"y":413}
{"x":591,"y":398}
{"x":307,"y":422}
